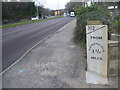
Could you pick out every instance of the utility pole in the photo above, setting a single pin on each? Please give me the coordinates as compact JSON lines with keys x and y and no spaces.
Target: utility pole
{"x":37,"y":4}
{"x":114,"y":10}
{"x":84,"y":3}
{"x":37,"y":12}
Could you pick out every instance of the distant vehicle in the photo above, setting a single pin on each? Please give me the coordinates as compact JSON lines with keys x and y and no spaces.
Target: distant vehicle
{"x":68,"y":14}
{"x":34,"y":18}
{"x":65,"y":14}
{"x":72,"y":14}
{"x":45,"y":17}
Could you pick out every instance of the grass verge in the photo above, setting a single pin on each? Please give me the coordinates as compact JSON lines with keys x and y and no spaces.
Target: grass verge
{"x":26,"y":22}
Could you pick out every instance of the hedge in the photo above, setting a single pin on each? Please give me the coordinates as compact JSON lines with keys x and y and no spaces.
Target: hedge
{"x":92,"y":12}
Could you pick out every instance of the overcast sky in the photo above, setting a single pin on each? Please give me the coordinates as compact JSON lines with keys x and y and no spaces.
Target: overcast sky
{"x":54,"y":4}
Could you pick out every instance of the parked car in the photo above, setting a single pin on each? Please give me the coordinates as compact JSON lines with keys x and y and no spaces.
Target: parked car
{"x":34,"y":18}
{"x":45,"y":17}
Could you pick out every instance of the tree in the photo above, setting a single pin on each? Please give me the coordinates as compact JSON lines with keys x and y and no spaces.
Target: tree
{"x":71,"y":5}
{"x":15,"y":11}
{"x":45,"y":11}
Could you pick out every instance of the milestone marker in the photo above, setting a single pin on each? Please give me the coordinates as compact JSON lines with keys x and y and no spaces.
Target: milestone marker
{"x":97,"y":54}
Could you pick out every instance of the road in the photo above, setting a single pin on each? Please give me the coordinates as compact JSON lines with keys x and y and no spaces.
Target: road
{"x":18,"y":39}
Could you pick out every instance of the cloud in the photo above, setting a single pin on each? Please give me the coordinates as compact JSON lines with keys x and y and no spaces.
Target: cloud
{"x":55,"y":4}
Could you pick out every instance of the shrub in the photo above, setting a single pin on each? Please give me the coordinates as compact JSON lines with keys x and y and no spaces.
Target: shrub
{"x":117,"y":18}
{"x":85,"y":14}
{"x":117,"y":23}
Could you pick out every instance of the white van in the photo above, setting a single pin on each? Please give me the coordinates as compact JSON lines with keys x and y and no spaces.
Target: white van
{"x":72,"y":14}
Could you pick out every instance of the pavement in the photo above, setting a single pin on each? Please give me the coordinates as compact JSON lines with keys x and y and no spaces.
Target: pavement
{"x":57,"y":62}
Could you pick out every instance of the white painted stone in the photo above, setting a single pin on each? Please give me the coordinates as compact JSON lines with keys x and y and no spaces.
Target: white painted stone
{"x":97,"y":54}
{"x":95,"y":79}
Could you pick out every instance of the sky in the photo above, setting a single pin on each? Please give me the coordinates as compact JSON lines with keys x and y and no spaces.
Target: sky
{"x":53,"y":4}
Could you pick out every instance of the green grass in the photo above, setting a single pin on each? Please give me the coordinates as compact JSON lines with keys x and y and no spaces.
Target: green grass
{"x":26,"y":22}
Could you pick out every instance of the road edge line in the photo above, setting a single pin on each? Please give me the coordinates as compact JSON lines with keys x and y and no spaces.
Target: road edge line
{"x":61,"y":29}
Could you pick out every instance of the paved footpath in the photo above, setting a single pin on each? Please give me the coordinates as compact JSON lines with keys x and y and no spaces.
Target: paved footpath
{"x":57,"y":62}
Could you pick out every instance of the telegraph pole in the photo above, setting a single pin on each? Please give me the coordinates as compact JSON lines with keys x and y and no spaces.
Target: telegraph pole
{"x":36,"y":3}
{"x":37,"y":12}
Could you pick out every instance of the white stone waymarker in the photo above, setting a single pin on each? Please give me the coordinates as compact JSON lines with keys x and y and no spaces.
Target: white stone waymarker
{"x":97,"y":54}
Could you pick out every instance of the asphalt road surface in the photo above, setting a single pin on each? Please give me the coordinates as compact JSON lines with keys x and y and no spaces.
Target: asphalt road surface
{"x":18,"y":39}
